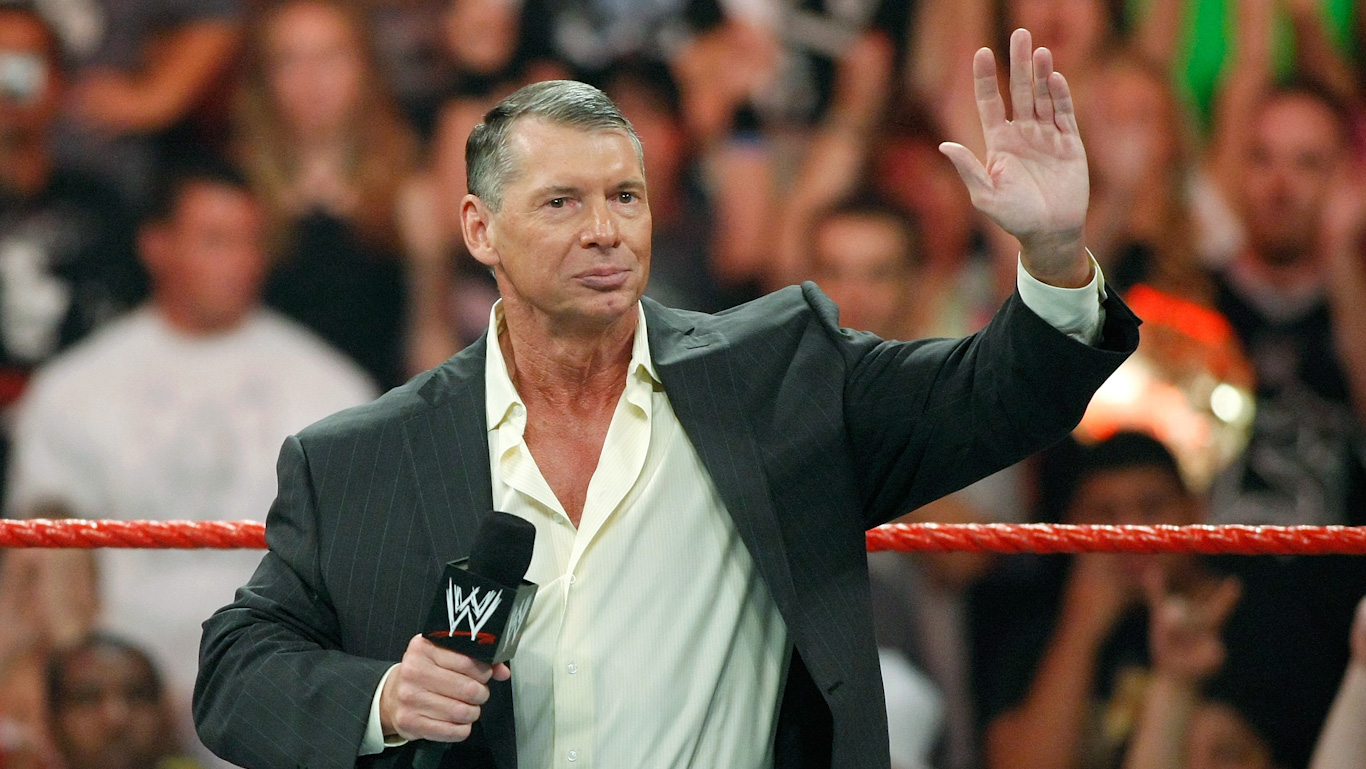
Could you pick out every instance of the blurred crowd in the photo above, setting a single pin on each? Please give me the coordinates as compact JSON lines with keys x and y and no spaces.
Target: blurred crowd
{"x":221,"y":220}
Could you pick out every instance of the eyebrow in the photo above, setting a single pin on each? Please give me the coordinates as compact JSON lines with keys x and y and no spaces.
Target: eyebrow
{"x":557,"y":190}
{"x":566,"y":189}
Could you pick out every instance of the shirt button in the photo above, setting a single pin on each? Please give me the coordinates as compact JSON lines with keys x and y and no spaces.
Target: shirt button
{"x":573,"y":668}
{"x":573,"y":579}
{"x":573,"y":755}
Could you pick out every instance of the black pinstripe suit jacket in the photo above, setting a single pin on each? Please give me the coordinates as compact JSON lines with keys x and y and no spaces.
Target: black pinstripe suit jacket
{"x":811,"y":434}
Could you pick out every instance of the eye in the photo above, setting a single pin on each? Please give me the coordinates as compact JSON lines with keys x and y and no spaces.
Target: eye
{"x":557,"y":202}
{"x":627,"y":197}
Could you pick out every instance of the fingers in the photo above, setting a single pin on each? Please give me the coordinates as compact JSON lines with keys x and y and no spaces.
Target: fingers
{"x":1064,"y":113}
{"x":1021,"y":76}
{"x":435,"y":693}
{"x":1043,"y":98}
{"x":990,"y":107}
{"x":974,"y":174}
{"x":1220,"y":603}
{"x":501,"y":672}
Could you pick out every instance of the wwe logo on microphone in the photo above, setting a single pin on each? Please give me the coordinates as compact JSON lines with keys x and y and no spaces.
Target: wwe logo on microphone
{"x":471,"y":610}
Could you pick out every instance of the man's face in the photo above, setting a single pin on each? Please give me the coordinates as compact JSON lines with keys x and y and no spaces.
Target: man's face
{"x":28,"y":76}
{"x":861,"y":263}
{"x":571,"y":242}
{"x":208,"y":261}
{"x":1296,"y":150}
{"x":1134,"y":496}
{"x":109,"y":713}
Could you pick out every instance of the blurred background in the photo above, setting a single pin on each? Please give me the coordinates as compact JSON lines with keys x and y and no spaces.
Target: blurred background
{"x":221,"y":220}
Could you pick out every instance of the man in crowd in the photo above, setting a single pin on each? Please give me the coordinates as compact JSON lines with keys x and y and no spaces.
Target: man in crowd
{"x":139,"y":71}
{"x":175,"y":411}
{"x":66,"y":252}
{"x":1305,"y":462}
{"x":1293,"y":295}
{"x":108,"y":709}
{"x":700,"y":485}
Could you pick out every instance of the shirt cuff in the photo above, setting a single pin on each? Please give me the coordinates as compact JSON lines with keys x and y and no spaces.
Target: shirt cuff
{"x":1076,"y":312}
{"x":374,"y":741}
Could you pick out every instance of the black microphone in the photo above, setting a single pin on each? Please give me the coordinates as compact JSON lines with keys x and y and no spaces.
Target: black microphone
{"x":482,"y":603}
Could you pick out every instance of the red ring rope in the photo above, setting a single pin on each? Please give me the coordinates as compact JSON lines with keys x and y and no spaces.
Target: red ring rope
{"x":906,"y":537}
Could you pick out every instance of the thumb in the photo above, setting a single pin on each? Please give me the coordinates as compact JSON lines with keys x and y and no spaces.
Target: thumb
{"x":973,"y":173}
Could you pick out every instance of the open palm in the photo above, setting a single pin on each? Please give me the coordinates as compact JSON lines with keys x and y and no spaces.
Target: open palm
{"x":1034,"y":183}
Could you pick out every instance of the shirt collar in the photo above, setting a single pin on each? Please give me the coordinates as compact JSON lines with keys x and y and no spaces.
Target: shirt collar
{"x":501,"y":394}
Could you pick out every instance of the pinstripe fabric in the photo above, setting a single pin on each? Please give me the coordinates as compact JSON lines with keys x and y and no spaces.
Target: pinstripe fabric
{"x":810,"y":434}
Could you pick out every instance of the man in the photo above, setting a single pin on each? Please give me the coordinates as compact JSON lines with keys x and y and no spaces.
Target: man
{"x":108,"y":709}
{"x":866,"y":255}
{"x":1299,"y":320}
{"x":700,"y":485}
{"x":1058,"y":655}
{"x":1293,"y":297}
{"x":66,"y":255}
{"x":174,"y":412}
{"x":140,"y":72}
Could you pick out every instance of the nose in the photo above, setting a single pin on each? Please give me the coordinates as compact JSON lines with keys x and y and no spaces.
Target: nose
{"x":115,"y":710}
{"x":600,"y":228}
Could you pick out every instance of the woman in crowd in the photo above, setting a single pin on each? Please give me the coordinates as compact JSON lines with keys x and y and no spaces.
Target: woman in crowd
{"x":327,"y":153}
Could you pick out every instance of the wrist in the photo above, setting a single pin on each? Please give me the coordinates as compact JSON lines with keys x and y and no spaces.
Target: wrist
{"x":1175,"y":687}
{"x":386,"y":708}
{"x":1058,"y":260}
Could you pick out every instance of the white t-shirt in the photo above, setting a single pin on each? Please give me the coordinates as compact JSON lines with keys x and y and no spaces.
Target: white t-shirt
{"x":140,"y":422}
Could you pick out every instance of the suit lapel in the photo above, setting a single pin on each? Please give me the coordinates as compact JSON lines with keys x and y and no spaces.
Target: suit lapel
{"x":448,"y":444}
{"x":704,"y":388}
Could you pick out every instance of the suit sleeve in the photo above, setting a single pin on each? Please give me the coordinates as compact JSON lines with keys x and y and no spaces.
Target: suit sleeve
{"x":927,"y":418}
{"x":274,"y":688}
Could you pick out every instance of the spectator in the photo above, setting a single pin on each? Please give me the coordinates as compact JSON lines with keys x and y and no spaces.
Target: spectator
{"x":327,"y":153}
{"x":140,"y":71}
{"x":177,"y":411}
{"x":1303,"y":464}
{"x":1082,"y":690}
{"x":1141,"y":226}
{"x":66,"y":256}
{"x":108,"y":709}
{"x":1179,"y":728}
{"x":867,"y":256}
{"x":681,"y":270}
{"x":964,"y":282}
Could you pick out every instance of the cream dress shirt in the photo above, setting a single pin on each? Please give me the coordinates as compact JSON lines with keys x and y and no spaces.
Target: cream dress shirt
{"x":653,"y":641}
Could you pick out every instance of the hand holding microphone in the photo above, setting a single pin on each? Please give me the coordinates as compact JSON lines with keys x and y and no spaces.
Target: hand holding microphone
{"x":437,"y":690}
{"x":435,"y":693}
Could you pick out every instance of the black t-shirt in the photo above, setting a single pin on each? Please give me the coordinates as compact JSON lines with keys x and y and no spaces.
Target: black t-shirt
{"x":348,"y":292}
{"x":66,"y":266}
{"x":1304,"y":463}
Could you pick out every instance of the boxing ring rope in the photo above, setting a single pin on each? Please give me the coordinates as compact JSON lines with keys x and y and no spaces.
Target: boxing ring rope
{"x":904,"y":537}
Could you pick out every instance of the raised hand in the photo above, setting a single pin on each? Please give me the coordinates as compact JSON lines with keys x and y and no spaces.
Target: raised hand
{"x":1034,"y":183}
{"x":1184,"y":631}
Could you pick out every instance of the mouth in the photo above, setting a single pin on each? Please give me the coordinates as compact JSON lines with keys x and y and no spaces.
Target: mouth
{"x":605,"y":278}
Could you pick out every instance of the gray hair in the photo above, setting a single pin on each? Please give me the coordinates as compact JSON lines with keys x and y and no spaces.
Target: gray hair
{"x":488,"y":159}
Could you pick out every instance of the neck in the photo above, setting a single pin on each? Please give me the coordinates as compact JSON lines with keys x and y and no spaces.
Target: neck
{"x":574,"y":368}
{"x":189,"y":324}
{"x":1287,"y":274}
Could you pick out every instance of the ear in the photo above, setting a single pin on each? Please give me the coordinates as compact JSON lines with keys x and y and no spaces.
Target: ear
{"x":476,"y":223}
